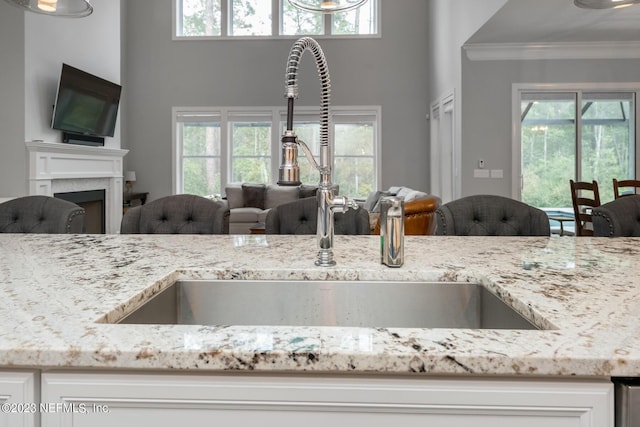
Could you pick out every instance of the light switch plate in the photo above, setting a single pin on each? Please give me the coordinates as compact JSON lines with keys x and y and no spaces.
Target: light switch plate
{"x":481,"y":173}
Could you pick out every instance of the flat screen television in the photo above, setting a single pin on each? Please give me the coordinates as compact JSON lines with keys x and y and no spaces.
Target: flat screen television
{"x":86,"y":107}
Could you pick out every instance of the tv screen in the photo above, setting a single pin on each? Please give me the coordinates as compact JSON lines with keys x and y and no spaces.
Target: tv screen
{"x":85,"y":104}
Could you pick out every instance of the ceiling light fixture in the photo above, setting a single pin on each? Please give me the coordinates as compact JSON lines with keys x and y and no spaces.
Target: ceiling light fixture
{"x":64,"y":8}
{"x":604,"y":4}
{"x":323,"y":6}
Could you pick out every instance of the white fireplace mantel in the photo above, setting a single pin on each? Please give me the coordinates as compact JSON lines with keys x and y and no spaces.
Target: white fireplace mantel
{"x":56,"y":168}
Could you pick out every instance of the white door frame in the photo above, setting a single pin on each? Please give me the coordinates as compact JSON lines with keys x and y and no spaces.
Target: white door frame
{"x":445,"y":149}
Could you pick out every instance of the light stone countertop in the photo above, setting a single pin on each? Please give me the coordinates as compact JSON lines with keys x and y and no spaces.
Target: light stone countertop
{"x":58,"y":292}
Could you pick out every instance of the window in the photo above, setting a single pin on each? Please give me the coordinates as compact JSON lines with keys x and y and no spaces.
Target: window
{"x":354,"y":151}
{"x":268,"y":18}
{"x":199,"y":18}
{"x":213,"y":147}
{"x":199,"y":139}
{"x":582,"y":135}
{"x":250,"y":147}
{"x":250,"y":18}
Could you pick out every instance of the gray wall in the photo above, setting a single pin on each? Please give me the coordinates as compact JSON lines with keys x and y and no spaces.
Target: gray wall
{"x":486,"y":108}
{"x":13,"y":180}
{"x":91,"y":44}
{"x":32,"y":48}
{"x":451,"y":24}
{"x":391,"y":71}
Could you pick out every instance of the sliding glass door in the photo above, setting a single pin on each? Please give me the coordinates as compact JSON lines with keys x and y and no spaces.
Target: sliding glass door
{"x":576,"y":135}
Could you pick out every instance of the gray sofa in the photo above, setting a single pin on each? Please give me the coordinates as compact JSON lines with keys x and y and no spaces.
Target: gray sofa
{"x":250,"y":203}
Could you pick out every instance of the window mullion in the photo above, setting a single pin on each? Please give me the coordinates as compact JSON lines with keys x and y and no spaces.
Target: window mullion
{"x":578,"y":124}
{"x":276,"y":17}
{"x":225,"y":10}
{"x":225,"y":142}
{"x":634,"y":140}
{"x":276,"y":125}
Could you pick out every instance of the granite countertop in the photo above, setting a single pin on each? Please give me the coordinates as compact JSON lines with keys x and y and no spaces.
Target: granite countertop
{"x":59,"y":292}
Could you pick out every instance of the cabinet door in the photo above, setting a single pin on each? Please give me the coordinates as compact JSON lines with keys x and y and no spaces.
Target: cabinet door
{"x":18,"y":400}
{"x":169,"y":400}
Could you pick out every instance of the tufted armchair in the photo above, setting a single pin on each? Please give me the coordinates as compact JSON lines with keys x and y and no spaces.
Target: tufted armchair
{"x":619,"y":218}
{"x":40,"y":214}
{"x":488,"y":215}
{"x":177,"y":214}
{"x":301,"y":217}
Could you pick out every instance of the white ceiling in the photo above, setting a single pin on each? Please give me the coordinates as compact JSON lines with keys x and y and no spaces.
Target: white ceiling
{"x":548,"y":21}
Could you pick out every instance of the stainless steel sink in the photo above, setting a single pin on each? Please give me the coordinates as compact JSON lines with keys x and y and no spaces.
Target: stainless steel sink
{"x":328,"y":303}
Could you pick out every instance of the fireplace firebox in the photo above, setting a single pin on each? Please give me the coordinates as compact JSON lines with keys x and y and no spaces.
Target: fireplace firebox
{"x":93,"y":202}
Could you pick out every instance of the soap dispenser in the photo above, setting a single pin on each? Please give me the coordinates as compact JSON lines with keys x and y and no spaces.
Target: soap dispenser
{"x":392,"y":231}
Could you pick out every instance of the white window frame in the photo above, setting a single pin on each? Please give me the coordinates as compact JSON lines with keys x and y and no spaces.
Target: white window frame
{"x":225,"y":24}
{"x":516,"y":94}
{"x":338,"y":114}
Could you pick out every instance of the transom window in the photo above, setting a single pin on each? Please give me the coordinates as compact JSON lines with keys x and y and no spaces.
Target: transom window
{"x":268,"y":18}
{"x":216,"y":146}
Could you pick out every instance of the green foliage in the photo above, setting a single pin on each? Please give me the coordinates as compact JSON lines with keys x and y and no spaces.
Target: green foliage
{"x":254,"y":18}
{"x":251,"y":148}
{"x":201,"y":17}
{"x":548,"y":138}
{"x":201,"y":162}
{"x":298,"y":22}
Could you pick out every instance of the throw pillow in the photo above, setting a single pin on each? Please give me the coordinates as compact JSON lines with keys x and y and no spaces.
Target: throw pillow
{"x":372,"y":204}
{"x":414,"y":195}
{"x":253,"y":195}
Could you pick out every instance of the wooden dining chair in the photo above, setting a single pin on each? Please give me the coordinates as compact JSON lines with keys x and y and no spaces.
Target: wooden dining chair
{"x":585,"y":197}
{"x":632,"y":186}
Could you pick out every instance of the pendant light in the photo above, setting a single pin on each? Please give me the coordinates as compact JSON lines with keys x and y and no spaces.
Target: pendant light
{"x":324,"y":6}
{"x":605,"y":4}
{"x":64,"y":8}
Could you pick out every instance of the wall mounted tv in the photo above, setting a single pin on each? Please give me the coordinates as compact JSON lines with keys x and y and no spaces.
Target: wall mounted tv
{"x":86,"y":107}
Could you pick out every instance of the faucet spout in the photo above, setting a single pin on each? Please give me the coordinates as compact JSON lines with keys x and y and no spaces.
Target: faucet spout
{"x":289,"y":169}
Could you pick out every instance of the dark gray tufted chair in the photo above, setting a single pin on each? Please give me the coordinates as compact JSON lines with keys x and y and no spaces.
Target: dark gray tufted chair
{"x":177,"y":214}
{"x":619,"y":218}
{"x":301,"y":217}
{"x":489,"y":215}
{"x":40,"y":214}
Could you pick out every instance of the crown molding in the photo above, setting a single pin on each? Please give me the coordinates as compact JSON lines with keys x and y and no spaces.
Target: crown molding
{"x":567,"y":50}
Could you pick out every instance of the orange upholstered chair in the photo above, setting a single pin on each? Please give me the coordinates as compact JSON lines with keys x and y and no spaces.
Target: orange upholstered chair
{"x":419,"y":217}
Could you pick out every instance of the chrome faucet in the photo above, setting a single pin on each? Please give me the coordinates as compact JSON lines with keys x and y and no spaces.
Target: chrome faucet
{"x":289,"y":174}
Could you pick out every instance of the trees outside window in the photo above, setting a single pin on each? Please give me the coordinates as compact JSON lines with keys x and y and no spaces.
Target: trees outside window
{"x":217,"y":146}
{"x":251,"y":152}
{"x":199,"y":139}
{"x":579,"y":135}
{"x":198,"y":18}
{"x":268,"y":18}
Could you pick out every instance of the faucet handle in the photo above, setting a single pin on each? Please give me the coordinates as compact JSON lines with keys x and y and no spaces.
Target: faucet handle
{"x":343,"y":204}
{"x":352,"y":204}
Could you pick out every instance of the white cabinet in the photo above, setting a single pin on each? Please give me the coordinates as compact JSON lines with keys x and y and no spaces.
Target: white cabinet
{"x":110,"y":399}
{"x":18,"y":399}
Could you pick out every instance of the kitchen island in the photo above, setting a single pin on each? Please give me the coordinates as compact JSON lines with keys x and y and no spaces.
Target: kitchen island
{"x":61,"y":296}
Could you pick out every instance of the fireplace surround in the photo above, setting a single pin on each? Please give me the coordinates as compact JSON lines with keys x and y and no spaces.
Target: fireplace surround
{"x":64,"y":168}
